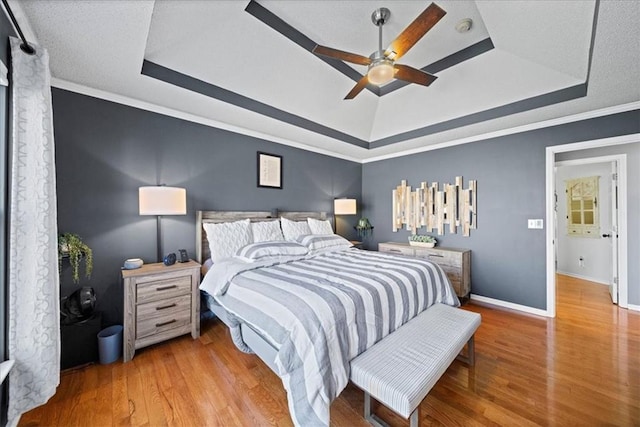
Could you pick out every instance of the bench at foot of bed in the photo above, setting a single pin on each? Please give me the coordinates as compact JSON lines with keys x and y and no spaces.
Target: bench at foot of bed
{"x":402,"y":368}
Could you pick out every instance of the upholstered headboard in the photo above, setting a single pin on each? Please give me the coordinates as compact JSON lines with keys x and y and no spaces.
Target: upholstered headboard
{"x":203,"y":217}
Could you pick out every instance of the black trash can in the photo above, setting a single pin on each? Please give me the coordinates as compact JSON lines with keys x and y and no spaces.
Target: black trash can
{"x":78,"y":341}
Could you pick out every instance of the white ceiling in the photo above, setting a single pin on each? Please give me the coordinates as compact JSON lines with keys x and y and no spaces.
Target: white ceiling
{"x":540,"y":47}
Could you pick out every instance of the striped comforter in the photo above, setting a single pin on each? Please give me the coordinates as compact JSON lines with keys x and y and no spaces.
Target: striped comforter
{"x":321,"y":311}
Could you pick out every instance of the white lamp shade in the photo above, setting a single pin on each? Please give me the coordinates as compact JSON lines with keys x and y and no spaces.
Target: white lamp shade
{"x":344,"y":206}
{"x":162,"y":200}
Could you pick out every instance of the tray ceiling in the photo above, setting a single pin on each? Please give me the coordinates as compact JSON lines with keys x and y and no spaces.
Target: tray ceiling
{"x":247,"y":65}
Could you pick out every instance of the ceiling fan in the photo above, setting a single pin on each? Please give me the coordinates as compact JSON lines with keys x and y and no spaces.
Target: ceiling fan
{"x":382,"y":67}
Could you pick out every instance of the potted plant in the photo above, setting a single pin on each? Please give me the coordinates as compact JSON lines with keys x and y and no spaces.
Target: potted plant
{"x":422,"y":240}
{"x":71,"y":246}
{"x":364,"y":228}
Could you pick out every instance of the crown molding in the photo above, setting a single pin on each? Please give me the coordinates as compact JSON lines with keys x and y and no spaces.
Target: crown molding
{"x":622,"y":108}
{"x":147,"y":106}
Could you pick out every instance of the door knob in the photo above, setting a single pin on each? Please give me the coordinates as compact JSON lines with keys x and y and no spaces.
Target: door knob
{"x":606,"y":235}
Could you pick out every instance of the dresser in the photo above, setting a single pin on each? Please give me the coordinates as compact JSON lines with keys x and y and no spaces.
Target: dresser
{"x":160,"y":302}
{"x":456,"y":263}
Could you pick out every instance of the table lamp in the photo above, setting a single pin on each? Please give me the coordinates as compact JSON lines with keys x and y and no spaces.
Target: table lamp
{"x":343,"y":207}
{"x":162,"y":200}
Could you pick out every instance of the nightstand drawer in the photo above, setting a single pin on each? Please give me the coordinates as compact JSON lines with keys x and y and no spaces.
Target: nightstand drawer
{"x":442,"y":258}
{"x":163,"y":289}
{"x":164,"y":308}
{"x":395,"y":249}
{"x":166,"y":322}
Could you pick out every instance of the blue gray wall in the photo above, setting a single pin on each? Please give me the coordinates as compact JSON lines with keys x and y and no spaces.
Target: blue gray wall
{"x":508,"y":260}
{"x":105,"y":151}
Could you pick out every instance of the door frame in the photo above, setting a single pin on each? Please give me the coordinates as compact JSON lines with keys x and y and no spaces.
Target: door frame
{"x":550,"y":178}
{"x":621,"y":164}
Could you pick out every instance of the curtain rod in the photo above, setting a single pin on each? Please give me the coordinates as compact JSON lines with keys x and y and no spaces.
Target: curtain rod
{"x":25,"y":46}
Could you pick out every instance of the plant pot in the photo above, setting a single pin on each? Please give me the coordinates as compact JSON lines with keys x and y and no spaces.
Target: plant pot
{"x":422,"y":244}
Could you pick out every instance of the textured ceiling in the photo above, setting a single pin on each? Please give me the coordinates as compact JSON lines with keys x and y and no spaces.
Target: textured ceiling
{"x":549,"y":59}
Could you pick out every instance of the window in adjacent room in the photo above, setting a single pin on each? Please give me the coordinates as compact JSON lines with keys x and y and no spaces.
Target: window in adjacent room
{"x":583,"y":219}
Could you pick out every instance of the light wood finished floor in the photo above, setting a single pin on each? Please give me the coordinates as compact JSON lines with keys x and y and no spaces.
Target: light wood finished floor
{"x":581,"y":368}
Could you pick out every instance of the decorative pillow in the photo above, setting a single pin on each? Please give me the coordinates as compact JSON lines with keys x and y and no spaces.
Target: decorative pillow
{"x":279,"y":249}
{"x":266,"y":231}
{"x":319,"y":226}
{"x":322,"y":243}
{"x":227,"y":237}
{"x":293,"y":229}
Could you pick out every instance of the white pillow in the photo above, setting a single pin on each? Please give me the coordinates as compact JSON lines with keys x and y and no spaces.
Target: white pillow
{"x":281,"y":250}
{"x":324,"y":243}
{"x":319,"y":226}
{"x":227,"y":237}
{"x":266,"y":231}
{"x":293,"y":229}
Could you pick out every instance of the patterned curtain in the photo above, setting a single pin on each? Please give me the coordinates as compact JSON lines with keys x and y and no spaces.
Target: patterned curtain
{"x":34,"y":326}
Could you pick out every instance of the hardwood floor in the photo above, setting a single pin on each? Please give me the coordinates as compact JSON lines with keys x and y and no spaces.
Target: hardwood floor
{"x":581,"y":368}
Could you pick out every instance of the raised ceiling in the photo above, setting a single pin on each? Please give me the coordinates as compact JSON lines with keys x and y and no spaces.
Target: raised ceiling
{"x":247,"y":65}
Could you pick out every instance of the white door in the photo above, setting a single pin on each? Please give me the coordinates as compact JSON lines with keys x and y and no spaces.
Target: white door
{"x":612,"y":235}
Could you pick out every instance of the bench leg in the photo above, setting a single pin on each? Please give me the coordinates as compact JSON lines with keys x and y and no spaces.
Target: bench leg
{"x":367,"y":405}
{"x":372,"y":418}
{"x":470,"y":358}
{"x":414,"y":420}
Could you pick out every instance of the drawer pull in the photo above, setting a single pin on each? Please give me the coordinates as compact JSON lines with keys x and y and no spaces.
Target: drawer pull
{"x":394,"y":250}
{"x":165,"y":323}
{"x":166,"y":288}
{"x":434,"y":255}
{"x":164,"y":307}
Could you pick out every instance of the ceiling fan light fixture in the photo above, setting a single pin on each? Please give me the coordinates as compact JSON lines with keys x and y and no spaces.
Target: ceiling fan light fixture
{"x":381,"y":72}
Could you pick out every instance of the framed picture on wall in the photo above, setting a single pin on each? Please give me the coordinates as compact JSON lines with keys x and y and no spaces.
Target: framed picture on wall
{"x":269,"y":170}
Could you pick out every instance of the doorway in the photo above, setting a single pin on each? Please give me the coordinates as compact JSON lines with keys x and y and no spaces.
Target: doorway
{"x":550,"y":178}
{"x":586,"y":220}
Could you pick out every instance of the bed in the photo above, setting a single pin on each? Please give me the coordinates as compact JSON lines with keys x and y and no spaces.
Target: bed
{"x":307,"y":315}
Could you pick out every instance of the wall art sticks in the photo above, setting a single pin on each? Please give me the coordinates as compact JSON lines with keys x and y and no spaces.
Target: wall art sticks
{"x":429,"y":207}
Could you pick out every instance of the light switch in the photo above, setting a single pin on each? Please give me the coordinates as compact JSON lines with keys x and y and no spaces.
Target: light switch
{"x":535,"y":223}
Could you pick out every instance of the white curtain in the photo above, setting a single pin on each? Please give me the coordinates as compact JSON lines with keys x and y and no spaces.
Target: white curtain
{"x":34,"y":326}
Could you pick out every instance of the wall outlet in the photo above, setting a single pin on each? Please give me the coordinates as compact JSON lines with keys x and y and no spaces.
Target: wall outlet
{"x":535,"y":223}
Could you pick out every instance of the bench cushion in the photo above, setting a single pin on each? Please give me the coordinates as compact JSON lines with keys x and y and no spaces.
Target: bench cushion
{"x":400,"y":370}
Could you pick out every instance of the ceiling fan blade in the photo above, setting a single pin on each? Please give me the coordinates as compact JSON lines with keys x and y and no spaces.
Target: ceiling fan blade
{"x":362,"y":83}
{"x":342,"y":55}
{"x":414,"y":32}
{"x":413,"y":75}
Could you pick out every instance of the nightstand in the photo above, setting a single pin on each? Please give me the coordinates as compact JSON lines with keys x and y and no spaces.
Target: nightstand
{"x":160,"y":302}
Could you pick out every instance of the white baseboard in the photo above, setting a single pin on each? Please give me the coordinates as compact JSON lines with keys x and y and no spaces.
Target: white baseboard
{"x":510,"y":305}
{"x":633,"y":307}
{"x":578,"y":276}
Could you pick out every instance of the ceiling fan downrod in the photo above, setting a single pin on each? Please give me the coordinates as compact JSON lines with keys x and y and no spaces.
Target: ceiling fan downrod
{"x":379,"y":17}
{"x":380,"y":70}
